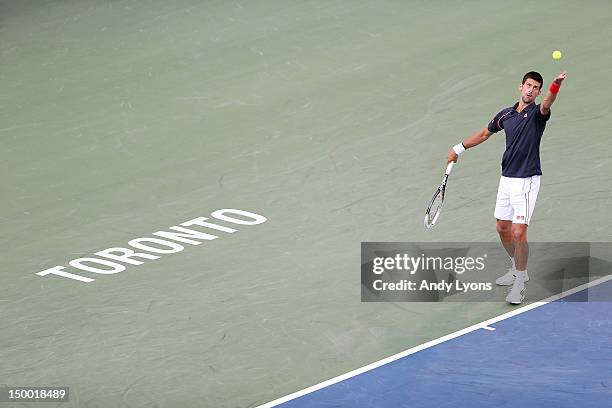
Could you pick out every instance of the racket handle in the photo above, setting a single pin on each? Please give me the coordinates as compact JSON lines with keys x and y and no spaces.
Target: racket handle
{"x":449,"y":168}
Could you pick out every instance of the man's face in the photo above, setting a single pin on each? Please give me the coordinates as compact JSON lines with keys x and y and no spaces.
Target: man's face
{"x":530,"y":90}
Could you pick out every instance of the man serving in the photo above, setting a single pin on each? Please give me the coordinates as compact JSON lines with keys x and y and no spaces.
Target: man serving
{"x":524,"y":124}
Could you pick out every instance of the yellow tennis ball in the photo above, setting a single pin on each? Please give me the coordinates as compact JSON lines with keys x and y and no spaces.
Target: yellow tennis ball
{"x":556,"y":55}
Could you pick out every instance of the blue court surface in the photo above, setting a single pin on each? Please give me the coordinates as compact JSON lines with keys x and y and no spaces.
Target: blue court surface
{"x":556,"y":353}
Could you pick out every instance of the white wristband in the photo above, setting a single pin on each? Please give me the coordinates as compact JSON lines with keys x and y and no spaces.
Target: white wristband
{"x":459,"y":148}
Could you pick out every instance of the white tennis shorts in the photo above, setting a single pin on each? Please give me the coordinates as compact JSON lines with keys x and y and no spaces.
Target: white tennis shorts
{"x":516,"y":199}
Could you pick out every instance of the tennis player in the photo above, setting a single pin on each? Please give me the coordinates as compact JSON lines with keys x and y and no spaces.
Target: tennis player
{"x":524,"y":124}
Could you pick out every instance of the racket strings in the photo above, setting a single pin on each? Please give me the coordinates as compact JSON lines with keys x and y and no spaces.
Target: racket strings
{"x":434,"y":209}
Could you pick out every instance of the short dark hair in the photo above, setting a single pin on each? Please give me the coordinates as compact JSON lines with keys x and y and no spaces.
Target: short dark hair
{"x":535,"y":76}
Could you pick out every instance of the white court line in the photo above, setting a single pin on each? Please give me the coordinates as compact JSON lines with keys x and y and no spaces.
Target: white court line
{"x":488,"y":328}
{"x":432,"y":343}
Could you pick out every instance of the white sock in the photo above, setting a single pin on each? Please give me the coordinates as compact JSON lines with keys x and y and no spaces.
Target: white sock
{"x":521,"y":275}
{"x":513,"y":264}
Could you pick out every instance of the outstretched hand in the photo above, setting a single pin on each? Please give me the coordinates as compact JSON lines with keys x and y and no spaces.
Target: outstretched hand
{"x":452,"y":156}
{"x":559,"y":79}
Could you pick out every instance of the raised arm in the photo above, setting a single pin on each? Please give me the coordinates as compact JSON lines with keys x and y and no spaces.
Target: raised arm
{"x":474,"y":140}
{"x":551,"y":95}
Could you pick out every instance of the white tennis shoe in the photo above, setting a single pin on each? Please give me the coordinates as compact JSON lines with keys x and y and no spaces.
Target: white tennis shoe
{"x":509,"y":277}
{"x":517,"y":293}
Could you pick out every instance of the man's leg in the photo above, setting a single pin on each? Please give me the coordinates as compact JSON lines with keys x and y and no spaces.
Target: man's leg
{"x":521,"y":253}
{"x":504,"y":229}
{"x":503,"y":215}
{"x":522,"y":195}
{"x":523,"y":203}
{"x":521,"y":248}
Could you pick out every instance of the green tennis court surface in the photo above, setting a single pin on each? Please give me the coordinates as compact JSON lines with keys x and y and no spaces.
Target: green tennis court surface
{"x":119,"y":119}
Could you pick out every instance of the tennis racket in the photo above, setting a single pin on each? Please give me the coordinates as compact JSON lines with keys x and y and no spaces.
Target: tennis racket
{"x":435,"y":206}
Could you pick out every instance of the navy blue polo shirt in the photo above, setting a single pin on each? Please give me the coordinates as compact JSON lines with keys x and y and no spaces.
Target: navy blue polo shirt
{"x":523,"y":135}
